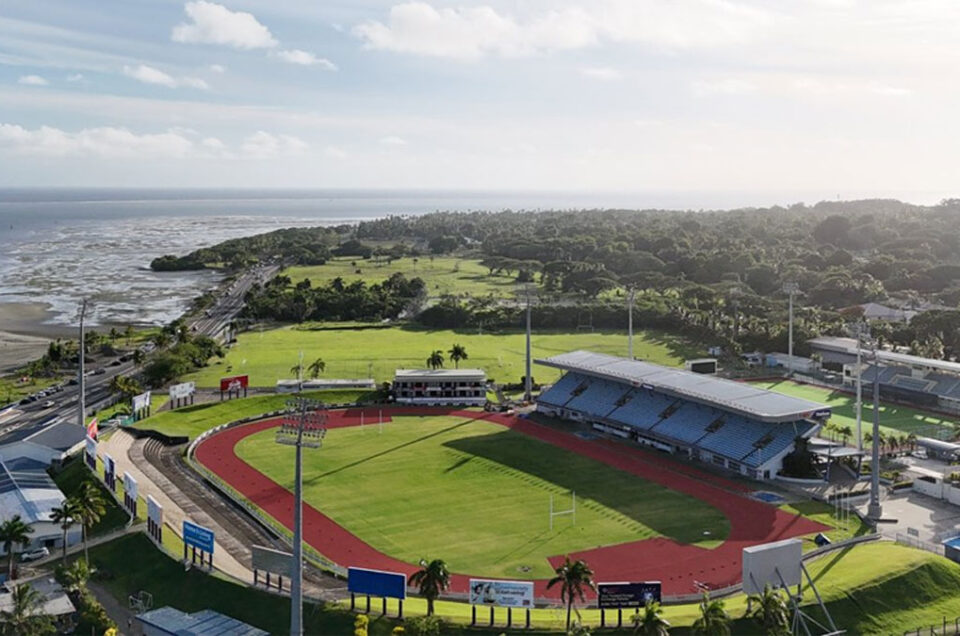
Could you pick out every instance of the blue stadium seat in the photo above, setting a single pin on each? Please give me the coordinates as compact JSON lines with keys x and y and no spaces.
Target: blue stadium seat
{"x":599,"y":398}
{"x":562,"y":390}
{"x":688,"y":423}
{"x":643,"y":410}
{"x":783,"y":437}
{"x":945,"y":384}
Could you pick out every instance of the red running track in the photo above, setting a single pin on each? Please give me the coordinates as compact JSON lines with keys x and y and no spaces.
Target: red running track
{"x":678,"y":566}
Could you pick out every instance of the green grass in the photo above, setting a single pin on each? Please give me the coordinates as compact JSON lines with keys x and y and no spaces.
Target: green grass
{"x":893,"y":417}
{"x":824,"y":513}
{"x":442,"y":275}
{"x":69,"y":479}
{"x":355,"y":351}
{"x":477,"y":495}
{"x":190,"y":421}
{"x":157,"y":400}
{"x":13,"y":390}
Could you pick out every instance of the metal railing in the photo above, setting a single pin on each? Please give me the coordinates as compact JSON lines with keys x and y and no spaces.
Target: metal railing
{"x":917,"y":542}
{"x":945,"y":628}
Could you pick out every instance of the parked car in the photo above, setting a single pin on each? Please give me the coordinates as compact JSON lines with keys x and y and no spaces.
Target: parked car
{"x":33,"y":555}
{"x":49,"y":404}
{"x":100,"y":371}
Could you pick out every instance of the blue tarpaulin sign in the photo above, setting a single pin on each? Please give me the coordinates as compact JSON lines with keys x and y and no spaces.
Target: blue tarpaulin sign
{"x":198,"y":537}
{"x":376,"y":583}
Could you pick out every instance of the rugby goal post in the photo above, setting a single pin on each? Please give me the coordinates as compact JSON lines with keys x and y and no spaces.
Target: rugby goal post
{"x":140,"y":602}
{"x":571,"y":511}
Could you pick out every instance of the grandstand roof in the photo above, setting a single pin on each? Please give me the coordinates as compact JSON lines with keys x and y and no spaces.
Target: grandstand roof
{"x":849,"y":345}
{"x":739,"y":397}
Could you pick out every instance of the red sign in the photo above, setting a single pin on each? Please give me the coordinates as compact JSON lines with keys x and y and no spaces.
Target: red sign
{"x":235,"y":383}
{"x":92,"y":429}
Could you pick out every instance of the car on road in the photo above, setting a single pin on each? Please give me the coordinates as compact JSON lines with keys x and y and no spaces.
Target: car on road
{"x":73,"y":382}
{"x":34,"y":555}
{"x":100,"y":371}
{"x":49,"y":404}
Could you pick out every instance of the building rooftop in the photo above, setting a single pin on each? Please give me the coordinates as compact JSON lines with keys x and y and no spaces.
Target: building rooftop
{"x":203,"y":623}
{"x":849,"y":346}
{"x":439,"y":374}
{"x":55,"y":600}
{"x":740,"y":397}
{"x":60,"y":435}
{"x":28,"y":493}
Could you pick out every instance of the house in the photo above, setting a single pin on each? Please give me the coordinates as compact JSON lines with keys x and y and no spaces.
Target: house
{"x":440,"y":387}
{"x":26,"y":490}
{"x":56,"y":602}
{"x":169,"y":621}
{"x":49,"y":444}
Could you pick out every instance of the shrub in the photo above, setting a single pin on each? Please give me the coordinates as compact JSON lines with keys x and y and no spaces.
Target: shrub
{"x":422,"y":626}
{"x":360,"y":625}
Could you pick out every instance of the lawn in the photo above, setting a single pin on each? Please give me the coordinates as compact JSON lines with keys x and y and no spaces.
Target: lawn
{"x":893,"y":417}
{"x":483,"y":492}
{"x":69,"y":480}
{"x":190,"y":421}
{"x":442,"y":275}
{"x":362,"y":351}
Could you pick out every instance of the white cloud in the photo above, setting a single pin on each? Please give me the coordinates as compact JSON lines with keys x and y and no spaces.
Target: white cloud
{"x":195,"y":82}
{"x":151,"y":75}
{"x":723,"y":86}
{"x":32,"y":80}
{"x":601,"y":73}
{"x":333,"y":152}
{"x":393,"y":140}
{"x":472,"y":32}
{"x":262,"y":145}
{"x":306,"y":58}
{"x":76,"y":77}
{"x":212,"y":23}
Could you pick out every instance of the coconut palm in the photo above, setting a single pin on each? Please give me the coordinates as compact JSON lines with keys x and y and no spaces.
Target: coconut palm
{"x":76,"y":576}
{"x":14,"y":532}
{"x":25,"y":616}
{"x":713,"y":620}
{"x":574,"y":577}
{"x":92,"y":507}
{"x":432,"y":578}
{"x":457,"y":353}
{"x":161,"y":339}
{"x":317,"y":367}
{"x":650,"y":623}
{"x":770,"y":611}
{"x":66,"y":515}
{"x":846,"y":431}
{"x":435,"y":361}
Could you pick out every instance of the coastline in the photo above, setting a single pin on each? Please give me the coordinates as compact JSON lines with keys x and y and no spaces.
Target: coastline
{"x":24,"y":335}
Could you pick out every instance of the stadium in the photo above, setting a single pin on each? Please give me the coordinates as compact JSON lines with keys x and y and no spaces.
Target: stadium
{"x":487,"y":485}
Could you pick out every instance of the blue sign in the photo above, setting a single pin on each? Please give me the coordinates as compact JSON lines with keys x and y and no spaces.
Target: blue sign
{"x":635,"y":594}
{"x":376,"y":583}
{"x":198,"y":536}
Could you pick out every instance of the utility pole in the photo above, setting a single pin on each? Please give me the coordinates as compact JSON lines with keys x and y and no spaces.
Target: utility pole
{"x":631,"y":296}
{"x":874,"y":510}
{"x":82,"y":403}
{"x":790,"y":288}
{"x":303,"y":427}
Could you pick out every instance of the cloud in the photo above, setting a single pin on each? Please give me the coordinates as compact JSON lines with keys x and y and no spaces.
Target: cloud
{"x":151,"y":75}
{"x":217,"y":68}
{"x":333,"y":152}
{"x":306,"y":58}
{"x":262,"y":145}
{"x":76,"y":77}
{"x":468,"y":33}
{"x":393,"y":140}
{"x":212,"y":23}
{"x":723,"y":86}
{"x":32,"y":80}
{"x":601,"y":73}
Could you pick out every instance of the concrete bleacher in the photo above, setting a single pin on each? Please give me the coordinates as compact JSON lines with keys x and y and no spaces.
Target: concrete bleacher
{"x":945,"y":384}
{"x":912,"y":383}
{"x":562,"y":390}
{"x":783,"y":436}
{"x":643,"y":410}
{"x":598,"y":399}
{"x":688,"y":423}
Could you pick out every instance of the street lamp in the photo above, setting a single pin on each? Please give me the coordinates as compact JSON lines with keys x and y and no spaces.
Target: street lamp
{"x":303,"y":426}
{"x":81,"y":381}
{"x":790,"y":288}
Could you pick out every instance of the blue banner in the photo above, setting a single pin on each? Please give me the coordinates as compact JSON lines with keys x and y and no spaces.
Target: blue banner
{"x":376,"y":583}
{"x":198,"y":536}
{"x":633,"y":594}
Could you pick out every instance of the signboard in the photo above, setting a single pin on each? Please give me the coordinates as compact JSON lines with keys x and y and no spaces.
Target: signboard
{"x":627,"y":594}
{"x":270,"y":560}
{"x":234,"y":384}
{"x":821,"y":413}
{"x":91,"y":452}
{"x":182,"y":390}
{"x":141,"y":402}
{"x":92,"y":428}
{"x":154,"y":519}
{"x":130,"y":493}
{"x":501,"y":593}
{"x":109,"y":472}
{"x":776,"y":564}
{"x":376,"y":583}
{"x":197,"y":537}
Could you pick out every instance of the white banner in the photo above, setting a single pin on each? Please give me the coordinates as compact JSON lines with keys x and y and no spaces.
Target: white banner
{"x":183,"y":390}
{"x":141,"y":401}
{"x":91,"y":448}
{"x":154,"y":511}
{"x":501,"y":593}
{"x":129,"y":486}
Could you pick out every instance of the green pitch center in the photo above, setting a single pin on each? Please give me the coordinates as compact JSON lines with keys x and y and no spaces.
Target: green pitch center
{"x":478,"y":495}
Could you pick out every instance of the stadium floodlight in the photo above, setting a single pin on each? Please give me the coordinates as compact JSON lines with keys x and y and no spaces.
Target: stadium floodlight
{"x":303,"y":426}
{"x":630,"y":298}
{"x":790,"y":288}
{"x":528,"y":294}
{"x":874,"y":510}
{"x":860,"y":331}
{"x":81,"y":380}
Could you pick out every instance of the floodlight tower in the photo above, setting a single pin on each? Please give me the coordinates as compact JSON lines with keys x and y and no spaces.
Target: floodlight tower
{"x":304,"y":426}
{"x":81,"y":381}
{"x":790,"y":288}
{"x":630,"y":297}
{"x":859,"y":405}
{"x":874,"y":510}
{"x":528,"y":292}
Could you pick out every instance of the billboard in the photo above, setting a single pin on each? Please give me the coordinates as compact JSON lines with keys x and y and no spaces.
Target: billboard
{"x":234,"y":383}
{"x":627,"y":594}
{"x":92,"y":428}
{"x":141,"y":401}
{"x":109,"y":472}
{"x":776,"y":563}
{"x":197,"y":536}
{"x":501,"y":593}
{"x":154,"y":510}
{"x":270,"y":560}
{"x":376,"y":583}
{"x":182,"y":390}
{"x":90,"y":453}
{"x":129,"y":486}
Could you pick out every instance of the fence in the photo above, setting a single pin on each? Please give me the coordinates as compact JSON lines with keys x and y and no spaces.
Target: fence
{"x":945,"y":628}
{"x":917,"y":542}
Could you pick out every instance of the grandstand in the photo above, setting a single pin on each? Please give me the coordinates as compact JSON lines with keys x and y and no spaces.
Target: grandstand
{"x":729,"y":424}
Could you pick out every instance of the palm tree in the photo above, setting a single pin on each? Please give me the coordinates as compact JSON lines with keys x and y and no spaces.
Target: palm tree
{"x":76,"y":576}
{"x":457,"y":353}
{"x":435,"y":361}
{"x":138,"y":356}
{"x":25,"y":616}
{"x":714,"y":620}
{"x":66,"y":515}
{"x":770,"y":611}
{"x":297,"y":369}
{"x":846,"y":431}
{"x":14,"y":532}
{"x":317,"y":367}
{"x":433,"y":578}
{"x":92,"y":507}
{"x":162,"y":339}
{"x":574,"y":577}
{"x":650,"y":623}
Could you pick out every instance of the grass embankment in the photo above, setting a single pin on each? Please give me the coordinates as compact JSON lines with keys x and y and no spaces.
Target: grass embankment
{"x":893,"y":417}
{"x":362,"y":351}
{"x":13,"y":390}
{"x":190,"y":421}
{"x":483,"y":491}
{"x":69,"y":479}
{"x":122,"y":408}
{"x":442,"y":275}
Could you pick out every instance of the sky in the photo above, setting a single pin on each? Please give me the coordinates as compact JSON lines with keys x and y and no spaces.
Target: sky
{"x":830,"y":97}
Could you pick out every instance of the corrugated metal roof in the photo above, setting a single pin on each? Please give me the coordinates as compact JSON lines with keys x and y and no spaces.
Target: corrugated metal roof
{"x":740,"y":397}
{"x":849,"y":346}
{"x":28,"y":493}
{"x":203,"y":623}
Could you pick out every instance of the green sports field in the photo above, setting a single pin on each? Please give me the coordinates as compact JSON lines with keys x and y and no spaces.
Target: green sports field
{"x":477,"y":495}
{"x":361,"y":351}
{"x":893,"y":417}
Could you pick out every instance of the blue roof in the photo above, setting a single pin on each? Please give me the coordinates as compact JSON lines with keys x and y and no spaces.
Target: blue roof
{"x":203,"y":623}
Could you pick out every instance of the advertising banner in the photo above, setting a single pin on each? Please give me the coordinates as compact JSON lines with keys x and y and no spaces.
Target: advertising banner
{"x":129,"y":486}
{"x":376,"y":583}
{"x":635,"y":594}
{"x":270,"y":560}
{"x":197,"y":536}
{"x":110,"y":472}
{"x":183,"y":390}
{"x":90,"y":453}
{"x":154,"y":510}
{"x":501,"y":593}
{"x":92,"y":428}
{"x":141,"y":402}
{"x":234,"y":383}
